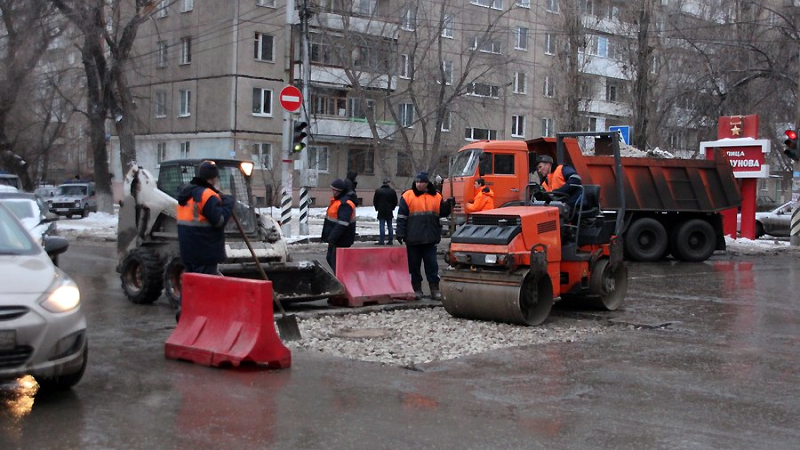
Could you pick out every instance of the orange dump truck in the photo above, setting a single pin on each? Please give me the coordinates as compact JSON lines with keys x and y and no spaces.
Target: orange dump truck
{"x":672,"y":206}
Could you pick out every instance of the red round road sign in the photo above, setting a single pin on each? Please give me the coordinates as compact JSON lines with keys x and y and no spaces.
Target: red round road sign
{"x":291,"y":98}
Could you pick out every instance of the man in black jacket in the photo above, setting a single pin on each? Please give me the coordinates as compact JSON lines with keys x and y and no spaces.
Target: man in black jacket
{"x":419,"y":227}
{"x":385,"y":201}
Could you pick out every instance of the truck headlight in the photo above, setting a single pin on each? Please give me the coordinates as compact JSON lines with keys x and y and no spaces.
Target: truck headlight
{"x":491,"y":259}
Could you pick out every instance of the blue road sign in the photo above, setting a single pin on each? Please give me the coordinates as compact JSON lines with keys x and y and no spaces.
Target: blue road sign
{"x":624,"y":131}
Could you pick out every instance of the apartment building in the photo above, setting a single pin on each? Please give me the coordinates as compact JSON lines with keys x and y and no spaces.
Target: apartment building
{"x":394,"y":86}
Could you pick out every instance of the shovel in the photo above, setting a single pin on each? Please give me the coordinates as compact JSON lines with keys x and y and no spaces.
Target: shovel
{"x":287,"y":325}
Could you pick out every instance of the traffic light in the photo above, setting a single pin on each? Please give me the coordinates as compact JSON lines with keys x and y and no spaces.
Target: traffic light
{"x":791,"y":145}
{"x":298,"y":136}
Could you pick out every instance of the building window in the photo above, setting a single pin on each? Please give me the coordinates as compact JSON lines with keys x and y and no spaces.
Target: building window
{"x":186,"y":50}
{"x":549,"y":88}
{"x":587,"y":7}
{"x":263,"y":49}
{"x":549,"y":44}
{"x":262,"y":102}
{"x":269,"y":3}
{"x":162,"y":9}
{"x":447,"y":121}
{"x":185,"y":108}
{"x":676,"y":140}
{"x":522,"y":38}
{"x":188,"y":5}
{"x":405,"y":166}
{"x":611,"y":91}
{"x":361,"y":161}
{"x":517,"y":126}
{"x":494,"y":4}
{"x":161,"y":104}
{"x":486,"y":45}
{"x":483,"y":90}
{"x":409,"y":21}
{"x":551,"y":6}
{"x":161,"y":150}
{"x":406,"y":115}
{"x":448,"y":26}
{"x":524,"y":3}
{"x":405,"y":66}
{"x":547,"y":127}
{"x":162,"y":54}
{"x":478,"y":134}
{"x":447,"y":67}
{"x":262,"y":155}
{"x":367,"y":7}
{"x":184,"y":150}
{"x":318,"y":158}
{"x":520,"y":83}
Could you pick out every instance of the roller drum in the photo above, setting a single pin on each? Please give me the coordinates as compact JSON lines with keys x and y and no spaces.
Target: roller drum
{"x":523,"y":298}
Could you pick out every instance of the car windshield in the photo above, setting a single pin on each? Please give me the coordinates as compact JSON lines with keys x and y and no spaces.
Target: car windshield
{"x":72,"y":190}
{"x":22,"y":208}
{"x":14,"y":240}
{"x":786,"y":208}
{"x":465,"y":163}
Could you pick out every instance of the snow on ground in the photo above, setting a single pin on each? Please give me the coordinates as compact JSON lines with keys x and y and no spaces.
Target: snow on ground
{"x":103,"y":226}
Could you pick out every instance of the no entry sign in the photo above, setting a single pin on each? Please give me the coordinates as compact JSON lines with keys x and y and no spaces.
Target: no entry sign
{"x":291,"y":98}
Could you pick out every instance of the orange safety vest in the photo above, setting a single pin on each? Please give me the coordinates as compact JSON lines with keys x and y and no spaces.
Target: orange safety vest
{"x":555,"y":180}
{"x":423,"y":204}
{"x":191,"y":214}
{"x":333,"y":211}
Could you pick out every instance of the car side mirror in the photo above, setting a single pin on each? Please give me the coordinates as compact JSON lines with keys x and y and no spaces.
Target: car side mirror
{"x":55,"y":245}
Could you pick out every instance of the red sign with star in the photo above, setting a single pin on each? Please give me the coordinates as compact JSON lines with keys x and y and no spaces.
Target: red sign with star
{"x":733,"y":127}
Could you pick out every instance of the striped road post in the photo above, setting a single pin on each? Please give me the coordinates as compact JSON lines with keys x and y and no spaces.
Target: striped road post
{"x":305,"y":201}
{"x":794,"y":230}
{"x":286,"y":213}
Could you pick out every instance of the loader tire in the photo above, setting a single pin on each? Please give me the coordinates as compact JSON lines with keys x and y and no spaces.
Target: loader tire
{"x":646,"y":240}
{"x":141,"y":276}
{"x":172,"y":281}
{"x":694,"y":241}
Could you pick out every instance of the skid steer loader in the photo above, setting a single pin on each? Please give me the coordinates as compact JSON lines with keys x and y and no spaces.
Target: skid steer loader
{"x":147,"y":242}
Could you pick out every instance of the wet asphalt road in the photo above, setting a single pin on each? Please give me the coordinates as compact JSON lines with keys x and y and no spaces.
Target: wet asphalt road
{"x":709,"y":360}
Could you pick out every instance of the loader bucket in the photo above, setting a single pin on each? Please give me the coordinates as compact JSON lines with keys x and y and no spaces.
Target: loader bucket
{"x":301,"y":281}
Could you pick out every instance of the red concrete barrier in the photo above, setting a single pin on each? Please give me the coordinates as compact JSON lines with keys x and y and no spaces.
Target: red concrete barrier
{"x":373,"y":275}
{"x":226,"y":321}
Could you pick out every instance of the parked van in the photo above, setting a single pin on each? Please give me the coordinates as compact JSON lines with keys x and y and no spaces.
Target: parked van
{"x":8,"y":179}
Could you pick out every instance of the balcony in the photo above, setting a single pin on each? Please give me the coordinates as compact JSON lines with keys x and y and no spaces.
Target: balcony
{"x":342,"y":129}
{"x":336,"y":77}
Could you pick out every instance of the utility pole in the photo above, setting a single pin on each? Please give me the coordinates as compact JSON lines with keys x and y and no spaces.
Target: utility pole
{"x":308,"y":177}
{"x":794,"y":223}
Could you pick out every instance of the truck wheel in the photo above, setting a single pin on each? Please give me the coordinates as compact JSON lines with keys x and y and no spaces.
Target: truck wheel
{"x":646,"y":240}
{"x":694,"y":241}
{"x":608,"y":286}
{"x":141,"y":276}
{"x":172,"y":281}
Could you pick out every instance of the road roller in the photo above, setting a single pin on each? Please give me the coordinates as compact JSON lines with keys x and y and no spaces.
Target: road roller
{"x":511,"y":264}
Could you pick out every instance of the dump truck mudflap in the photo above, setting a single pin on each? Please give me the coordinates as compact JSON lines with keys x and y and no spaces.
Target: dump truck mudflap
{"x":300,"y":281}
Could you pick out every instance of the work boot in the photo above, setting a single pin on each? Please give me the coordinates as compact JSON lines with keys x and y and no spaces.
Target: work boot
{"x":417,"y":290}
{"x":436,"y":294}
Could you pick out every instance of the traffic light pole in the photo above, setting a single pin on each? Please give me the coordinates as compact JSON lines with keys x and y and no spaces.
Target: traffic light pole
{"x":286,"y":176}
{"x":305,"y":196}
{"x":794,"y":223}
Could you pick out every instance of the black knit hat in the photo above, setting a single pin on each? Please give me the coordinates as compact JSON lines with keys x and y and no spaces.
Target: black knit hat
{"x":544,"y":159}
{"x":422,"y":176}
{"x":338,"y":184}
{"x":208,"y":170}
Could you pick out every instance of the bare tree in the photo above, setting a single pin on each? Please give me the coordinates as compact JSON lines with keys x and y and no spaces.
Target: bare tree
{"x":28,"y":27}
{"x":109,"y":28}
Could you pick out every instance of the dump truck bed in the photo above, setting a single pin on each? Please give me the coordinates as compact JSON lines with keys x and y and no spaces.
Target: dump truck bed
{"x":657,"y":184}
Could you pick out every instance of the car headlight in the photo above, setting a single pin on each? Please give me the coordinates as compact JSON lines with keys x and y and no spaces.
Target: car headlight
{"x":77,"y":203}
{"x":63,"y":297}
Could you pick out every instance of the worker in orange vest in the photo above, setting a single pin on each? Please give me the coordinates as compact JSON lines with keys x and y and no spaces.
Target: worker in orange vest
{"x":339,"y":228}
{"x":484,"y":198}
{"x":563,"y":179}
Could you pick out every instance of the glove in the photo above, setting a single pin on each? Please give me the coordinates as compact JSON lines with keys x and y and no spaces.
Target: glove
{"x":452,"y":202}
{"x":400,"y":240}
{"x":228,"y":200}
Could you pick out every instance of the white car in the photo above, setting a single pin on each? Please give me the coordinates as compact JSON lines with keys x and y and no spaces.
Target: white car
{"x":42,"y":325}
{"x":775,"y":222}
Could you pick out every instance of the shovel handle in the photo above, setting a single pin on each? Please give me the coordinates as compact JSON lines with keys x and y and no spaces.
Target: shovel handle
{"x":255,"y":257}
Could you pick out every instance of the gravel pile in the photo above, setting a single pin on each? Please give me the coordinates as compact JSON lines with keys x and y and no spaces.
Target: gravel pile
{"x":414,"y":336}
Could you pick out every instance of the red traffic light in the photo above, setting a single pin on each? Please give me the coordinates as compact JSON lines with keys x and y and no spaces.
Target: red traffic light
{"x":791,"y":134}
